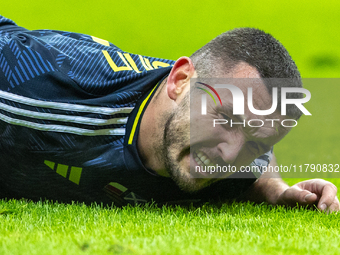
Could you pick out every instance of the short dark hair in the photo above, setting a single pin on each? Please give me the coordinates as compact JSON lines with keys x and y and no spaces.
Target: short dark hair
{"x":255,"y":47}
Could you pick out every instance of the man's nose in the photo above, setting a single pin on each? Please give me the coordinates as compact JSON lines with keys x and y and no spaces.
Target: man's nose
{"x":229,"y":151}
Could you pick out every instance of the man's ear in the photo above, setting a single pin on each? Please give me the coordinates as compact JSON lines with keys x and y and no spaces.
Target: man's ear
{"x":179,"y":77}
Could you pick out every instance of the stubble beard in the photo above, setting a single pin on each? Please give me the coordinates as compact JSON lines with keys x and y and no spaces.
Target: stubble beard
{"x":176,"y":141}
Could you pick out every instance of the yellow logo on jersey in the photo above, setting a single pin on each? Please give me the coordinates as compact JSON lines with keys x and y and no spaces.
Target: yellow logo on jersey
{"x":129,"y":63}
{"x":63,"y":170}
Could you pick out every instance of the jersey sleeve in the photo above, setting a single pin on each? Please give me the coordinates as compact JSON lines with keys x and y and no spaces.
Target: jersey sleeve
{"x":257,"y":166}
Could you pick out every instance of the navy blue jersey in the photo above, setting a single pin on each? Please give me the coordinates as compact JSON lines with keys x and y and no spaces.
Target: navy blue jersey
{"x":70,"y":110}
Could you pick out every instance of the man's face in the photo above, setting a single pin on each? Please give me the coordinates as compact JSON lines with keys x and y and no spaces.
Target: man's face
{"x":223,"y":145}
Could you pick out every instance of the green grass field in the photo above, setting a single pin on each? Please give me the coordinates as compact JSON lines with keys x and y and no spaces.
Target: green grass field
{"x":170,"y":29}
{"x":238,"y":228}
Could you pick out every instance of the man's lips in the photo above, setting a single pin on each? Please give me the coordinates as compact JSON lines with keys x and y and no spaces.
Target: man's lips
{"x":206,"y":164}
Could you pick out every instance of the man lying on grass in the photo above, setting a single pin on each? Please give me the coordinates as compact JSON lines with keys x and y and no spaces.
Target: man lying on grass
{"x":82,"y":120}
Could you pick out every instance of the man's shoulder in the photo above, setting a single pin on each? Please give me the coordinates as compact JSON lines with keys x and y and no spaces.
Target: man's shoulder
{"x":5,"y":21}
{"x":95,"y":65}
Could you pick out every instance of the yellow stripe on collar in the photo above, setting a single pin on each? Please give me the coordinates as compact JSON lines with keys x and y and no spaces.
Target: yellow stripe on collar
{"x":135,"y":123}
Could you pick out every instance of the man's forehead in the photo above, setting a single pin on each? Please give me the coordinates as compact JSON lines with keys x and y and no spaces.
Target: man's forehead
{"x":243,"y":76}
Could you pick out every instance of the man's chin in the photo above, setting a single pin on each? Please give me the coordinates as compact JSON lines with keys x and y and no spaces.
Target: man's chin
{"x":193,"y":185}
{"x":185,"y":179}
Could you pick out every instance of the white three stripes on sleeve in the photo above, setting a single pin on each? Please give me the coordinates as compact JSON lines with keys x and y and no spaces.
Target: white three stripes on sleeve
{"x":63,"y":118}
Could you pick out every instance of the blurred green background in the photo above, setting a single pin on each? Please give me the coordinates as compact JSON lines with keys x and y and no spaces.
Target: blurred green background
{"x":170,"y":29}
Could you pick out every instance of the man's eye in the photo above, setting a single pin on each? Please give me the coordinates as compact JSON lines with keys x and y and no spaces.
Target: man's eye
{"x":224,"y":116}
{"x":254,"y":147}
